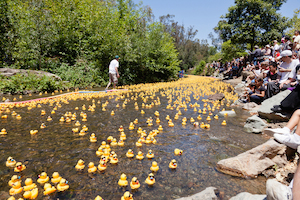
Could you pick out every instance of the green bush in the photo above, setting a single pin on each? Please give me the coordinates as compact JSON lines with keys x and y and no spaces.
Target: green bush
{"x":199,"y":68}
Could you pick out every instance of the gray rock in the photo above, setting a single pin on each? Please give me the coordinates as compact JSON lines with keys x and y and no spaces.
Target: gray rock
{"x":253,"y":162}
{"x":265,"y":109}
{"x":207,"y":194}
{"x":230,"y":113}
{"x":216,"y":96}
{"x":248,"y":196}
{"x":10,"y":72}
{"x":249,"y":106}
{"x":254,"y":124}
{"x":277,"y":191}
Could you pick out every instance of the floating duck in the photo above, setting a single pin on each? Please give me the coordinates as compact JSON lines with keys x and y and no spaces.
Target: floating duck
{"x":82,"y":133}
{"x":127,"y":196}
{"x":178,"y":152}
{"x":32,"y":194}
{"x":192,"y":120}
{"x":3,"y":131}
{"x":114,"y":159}
{"x":102,"y":165}
{"x":131,"y":126}
{"x":18,"y":117}
{"x":92,"y":168}
{"x":109,"y":139}
{"x":173,"y":164}
{"x":10,"y":162}
{"x":99,"y":152}
{"x":139,"y":143}
{"x":136,"y":121}
{"x":208,"y":118}
{"x":77,"y":123}
{"x":202,"y":125}
{"x":33,"y":132}
{"x":19,"y":167}
{"x":4,"y":116}
{"x":142,"y":112}
{"x":98,"y":198}
{"x":75,"y":130}
{"x":55,"y":177}
{"x":123,"y":180}
{"x":16,"y":188}
{"x":103,"y":144}
{"x":150,"y":155}
{"x":121,"y":128}
{"x":63,"y":185}
{"x":93,"y":138}
{"x":121,"y":143}
{"x":148,"y":140}
{"x":139,"y":156}
{"x":167,"y":117}
{"x":104,"y":158}
{"x":29,"y":185}
{"x":134,"y":184}
{"x":62,"y":119}
{"x":150,"y":179}
{"x":43,"y":112}
{"x":49,"y":189}
{"x":14,"y":179}
{"x":112,"y":113}
{"x":43,"y":178}
{"x":49,"y":119}
{"x":114,"y":142}
{"x":216,"y":117}
{"x":85,"y":128}
{"x":160,"y":128}
{"x":80,"y":165}
{"x":129,"y":153}
{"x":123,"y":136}
{"x":224,"y":123}
{"x":43,"y":126}
{"x":154,"y":167}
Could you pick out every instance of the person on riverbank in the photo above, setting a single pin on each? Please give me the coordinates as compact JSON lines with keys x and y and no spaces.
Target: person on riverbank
{"x":113,"y":72}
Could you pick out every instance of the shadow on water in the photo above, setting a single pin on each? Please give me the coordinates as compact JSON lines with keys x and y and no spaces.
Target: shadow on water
{"x":56,"y":148}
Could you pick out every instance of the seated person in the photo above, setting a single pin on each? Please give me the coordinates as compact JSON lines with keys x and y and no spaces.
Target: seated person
{"x":249,"y":89}
{"x":256,"y":71}
{"x":250,"y":79}
{"x":259,"y":92}
{"x":272,"y":73}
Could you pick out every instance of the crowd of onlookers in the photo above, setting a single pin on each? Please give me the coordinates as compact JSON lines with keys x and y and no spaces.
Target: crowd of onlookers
{"x":267,"y":70}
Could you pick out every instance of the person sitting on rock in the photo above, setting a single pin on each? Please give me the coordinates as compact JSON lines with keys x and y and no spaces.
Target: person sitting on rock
{"x":259,"y":92}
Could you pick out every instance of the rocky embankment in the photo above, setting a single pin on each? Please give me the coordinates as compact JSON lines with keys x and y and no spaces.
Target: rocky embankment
{"x":11,"y":72}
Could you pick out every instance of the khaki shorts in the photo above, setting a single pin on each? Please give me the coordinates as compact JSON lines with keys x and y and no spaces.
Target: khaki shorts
{"x":113,"y":78}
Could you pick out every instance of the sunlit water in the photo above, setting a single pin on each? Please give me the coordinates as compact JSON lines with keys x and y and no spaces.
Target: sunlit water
{"x":56,"y":148}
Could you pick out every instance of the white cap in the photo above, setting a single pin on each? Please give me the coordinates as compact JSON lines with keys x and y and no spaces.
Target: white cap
{"x":285,"y":53}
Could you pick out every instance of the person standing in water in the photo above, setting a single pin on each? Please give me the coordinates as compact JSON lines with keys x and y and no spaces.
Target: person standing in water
{"x":113,"y":72}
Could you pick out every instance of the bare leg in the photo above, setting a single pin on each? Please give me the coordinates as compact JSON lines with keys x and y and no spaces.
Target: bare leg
{"x":108,"y":84}
{"x":296,"y":185}
{"x":295,"y":119}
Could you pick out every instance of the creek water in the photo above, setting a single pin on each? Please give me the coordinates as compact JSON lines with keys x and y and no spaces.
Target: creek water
{"x":57,"y":148}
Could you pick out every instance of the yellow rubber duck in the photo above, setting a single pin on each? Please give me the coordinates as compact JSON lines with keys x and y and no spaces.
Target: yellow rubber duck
{"x":49,"y":189}
{"x":102,"y":165}
{"x":216,"y":117}
{"x":80,"y":165}
{"x":121,"y":143}
{"x":63,"y":185}
{"x":92,"y":168}
{"x":114,"y":159}
{"x":150,"y":179}
{"x":29,"y":185}
{"x":139,"y":143}
{"x":104,"y":158}
{"x":134,"y":184}
{"x":33,"y":132}
{"x":49,"y":119}
{"x":160,"y":128}
{"x":14,"y":179}
{"x":62,"y":119}
{"x":129,"y":153}
{"x":150,"y":154}
{"x":224,"y":123}
{"x":18,"y":117}
{"x":202,"y":125}
{"x":192,"y":120}
{"x":43,"y":112}
{"x":43,"y":126}
{"x":178,"y":152}
{"x":3,"y":131}
{"x":75,"y":130}
{"x":85,"y":128}
{"x":154,"y":167}
{"x":93,"y":138}
{"x":77,"y":123}
{"x":208,"y":118}
{"x":142,"y":112}
{"x":114,"y":142}
{"x":19,"y":167}
{"x":131,"y":126}
{"x":109,"y":139}
{"x":4,"y":116}
{"x":98,"y":198}
{"x":127,"y":196}
{"x":68,"y":120}
{"x":173,"y":164}
{"x":32,"y":194}
{"x":112,"y":113}
{"x":148,"y":140}
{"x":16,"y":188}
{"x":123,"y":180}
{"x":43,"y":178}
{"x":136,"y":121}
{"x":139,"y":156}
{"x":123,"y":136}
{"x":207,"y":126}
{"x":121,"y":128}
{"x":55,"y":177}
{"x":99,"y":152}
{"x":10,"y":162}
{"x":167,"y":117}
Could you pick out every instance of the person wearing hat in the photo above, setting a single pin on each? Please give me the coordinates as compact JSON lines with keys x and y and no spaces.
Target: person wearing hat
{"x":282,"y":82}
{"x":255,"y":54}
{"x":113,"y":72}
{"x":268,"y":51}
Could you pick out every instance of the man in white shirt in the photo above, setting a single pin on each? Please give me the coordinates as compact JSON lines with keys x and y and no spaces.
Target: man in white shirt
{"x":113,"y":72}
{"x":297,"y":41}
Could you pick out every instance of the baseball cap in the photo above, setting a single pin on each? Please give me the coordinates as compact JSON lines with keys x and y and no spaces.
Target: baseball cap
{"x":117,"y":56}
{"x":285,"y":53}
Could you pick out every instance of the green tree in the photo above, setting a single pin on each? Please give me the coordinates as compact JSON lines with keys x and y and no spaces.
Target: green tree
{"x":252,"y":22}
{"x":230,"y":51}
{"x":295,"y":21}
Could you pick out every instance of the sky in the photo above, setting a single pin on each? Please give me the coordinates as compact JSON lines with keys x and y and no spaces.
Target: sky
{"x":203,"y":15}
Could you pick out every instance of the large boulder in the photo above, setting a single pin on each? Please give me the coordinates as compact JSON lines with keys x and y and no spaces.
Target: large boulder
{"x":265,"y":109}
{"x":254,"y":124}
{"x":11,"y":72}
{"x":207,"y":194}
{"x":229,"y":113}
{"x":253,"y":162}
{"x":248,"y":196}
{"x":215,"y":97}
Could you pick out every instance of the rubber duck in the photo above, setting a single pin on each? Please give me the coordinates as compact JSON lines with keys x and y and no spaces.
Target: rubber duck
{"x":43,"y":178}
{"x":123,"y":136}
{"x":103,"y":144}
{"x":14,"y":179}
{"x":10,"y":162}
{"x":92,"y":168}
{"x":4,"y":116}
{"x":85,"y":128}
{"x":18,"y":117}
{"x":202,"y":125}
{"x":139,"y":156}
{"x":129,"y":153}
{"x":154,"y":167}
{"x":142,"y":112}
{"x":43,"y":112}
{"x":114,"y":142}
{"x":82,"y":132}
{"x":173,"y":164}
{"x":63,"y":185}
{"x":121,"y":143}
{"x":68,"y":120}
{"x":13,"y":113}
{"x":192,"y":120}
{"x":112,"y":113}
{"x":80,"y":165}
{"x":49,"y":189}
{"x":109,"y":139}
{"x":98,"y":198}
{"x":33,"y":132}
{"x":104,"y":158}
{"x":32,"y":194}
{"x":16,"y":188}
{"x":29,"y":185}
{"x":75,"y":130}
{"x":77,"y":123}
{"x":150,"y":155}
{"x":62,"y":119}
{"x":225,"y":114}
{"x":123,"y":180}
{"x":178,"y":152}
{"x":207,"y":126}
{"x":49,"y":119}
{"x":43,"y":126}
{"x":55,"y":177}
{"x":19,"y":167}
{"x":131,"y":126}
{"x":167,"y":117}
{"x":127,"y":196}
{"x":148,"y":140}
{"x":160,"y":128}
{"x":102,"y":165}
{"x":216,"y":117}
{"x":134,"y":184}
{"x":150,"y":179}
{"x":114,"y":159}
{"x":208,"y":118}
{"x":99,"y":152}
{"x":224,"y":123}
{"x":3,"y":131}
{"x":136,"y":121}
{"x":121,"y":128}
{"x":107,"y":147}
{"x":139,"y":143}
{"x":93,"y":138}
